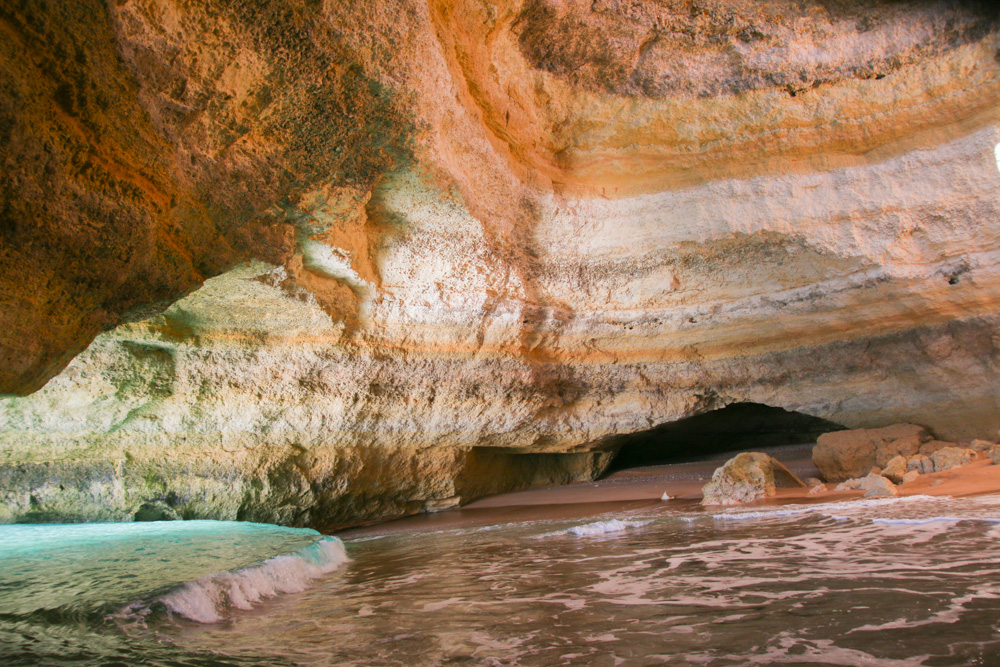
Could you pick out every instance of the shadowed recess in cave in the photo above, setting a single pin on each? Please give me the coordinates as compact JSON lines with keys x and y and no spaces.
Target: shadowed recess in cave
{"x":736,"y":427}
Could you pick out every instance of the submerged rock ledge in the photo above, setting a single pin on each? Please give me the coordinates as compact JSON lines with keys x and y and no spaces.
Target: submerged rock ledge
{"x":329,"y":263}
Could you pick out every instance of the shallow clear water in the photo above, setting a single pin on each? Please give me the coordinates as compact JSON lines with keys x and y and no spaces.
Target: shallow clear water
{"x":71,"y":593}
{"x":892,"y":582}
{"x":81,"y":568}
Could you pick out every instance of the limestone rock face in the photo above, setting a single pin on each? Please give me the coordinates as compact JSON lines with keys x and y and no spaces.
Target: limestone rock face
{"x":329,"y":262}
{"x":325,"y":488}
{"x":147,"y":146}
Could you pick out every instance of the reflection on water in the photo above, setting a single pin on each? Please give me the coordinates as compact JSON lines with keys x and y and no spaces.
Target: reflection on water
{"x":891,"y":582}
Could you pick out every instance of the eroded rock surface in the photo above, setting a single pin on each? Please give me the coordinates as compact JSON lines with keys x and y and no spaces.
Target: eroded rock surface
{"x":747,"y":477}
{"x":451,"y":236}
{"x":849,"y":454}
{"x":947,"y":458}
{"x":920,"y":463}
{"x":878,"y":486}
{"x":895,"y":470}
{"x":994,"y":454}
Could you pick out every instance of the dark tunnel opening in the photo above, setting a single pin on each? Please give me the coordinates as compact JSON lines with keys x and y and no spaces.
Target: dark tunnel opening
{"x":736,"y":427}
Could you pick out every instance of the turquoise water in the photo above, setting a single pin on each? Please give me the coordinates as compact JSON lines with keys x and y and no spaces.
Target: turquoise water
{"x":71,"y":593}
{"x":83,"y":568}
{"x":895,"y":582}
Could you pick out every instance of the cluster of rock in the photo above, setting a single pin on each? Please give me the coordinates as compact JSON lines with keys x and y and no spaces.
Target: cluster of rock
{"x":876,"y":460}
{"x":871,"y":460}
{"x":851,"y":454}
{"x":873,"y":484}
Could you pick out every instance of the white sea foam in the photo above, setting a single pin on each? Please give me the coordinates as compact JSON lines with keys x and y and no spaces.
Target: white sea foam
{"x":878,"y":502}
{"x":370,"y":538}
{"x":609,"y":526}
{"x":207,"y":600}
{"x":936,"y":519}
{"x":821,"y":508}
{"x":765,"y":514}
{"x":598,"y":528}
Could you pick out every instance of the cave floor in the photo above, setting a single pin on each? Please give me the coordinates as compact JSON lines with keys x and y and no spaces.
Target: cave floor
{"x":623,"y":490}
{"x":637,"y":488}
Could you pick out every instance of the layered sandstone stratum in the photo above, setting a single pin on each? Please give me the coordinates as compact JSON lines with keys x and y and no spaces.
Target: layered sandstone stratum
{"x":321,"y":263}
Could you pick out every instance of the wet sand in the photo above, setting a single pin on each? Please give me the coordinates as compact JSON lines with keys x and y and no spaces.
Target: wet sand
{"x":682,"y":481}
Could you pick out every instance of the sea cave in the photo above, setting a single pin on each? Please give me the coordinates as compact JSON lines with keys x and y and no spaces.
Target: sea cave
{"x":499,"y":332}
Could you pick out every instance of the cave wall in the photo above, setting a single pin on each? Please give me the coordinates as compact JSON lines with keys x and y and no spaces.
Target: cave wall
{"x":329,"y":262}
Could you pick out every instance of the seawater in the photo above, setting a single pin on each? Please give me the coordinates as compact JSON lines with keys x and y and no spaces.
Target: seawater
{"x":89,"y":593}
{"x":910,"y":581}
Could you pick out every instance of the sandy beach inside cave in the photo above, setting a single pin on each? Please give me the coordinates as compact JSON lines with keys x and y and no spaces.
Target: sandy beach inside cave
{"x":682,"y":481}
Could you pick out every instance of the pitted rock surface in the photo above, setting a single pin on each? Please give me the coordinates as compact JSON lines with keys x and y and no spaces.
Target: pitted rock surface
{"x":330,"y":262}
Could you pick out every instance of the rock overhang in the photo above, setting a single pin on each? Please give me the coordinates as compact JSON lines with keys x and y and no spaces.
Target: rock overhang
{"x":459,"y":242}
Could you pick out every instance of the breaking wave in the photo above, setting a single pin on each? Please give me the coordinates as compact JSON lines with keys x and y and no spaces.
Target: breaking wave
{"x":598,"y":528}
{"x":211,"y":598}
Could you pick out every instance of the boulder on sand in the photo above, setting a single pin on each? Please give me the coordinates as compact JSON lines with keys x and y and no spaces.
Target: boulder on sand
{"x":895,"y":469}
{"x":873,"y":484}
{"x":877,"y":486}
{"x":852,"y":484}
{"x":947,"y":458}
{"x":745,"y":477}
{"x":920,"y":463}
{"x":995,"y":454}
{"x":843,"y":455}
{"x":977,"y":445}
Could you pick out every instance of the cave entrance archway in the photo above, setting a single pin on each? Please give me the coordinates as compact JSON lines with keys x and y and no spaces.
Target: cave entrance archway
{"x":736,"y":427}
